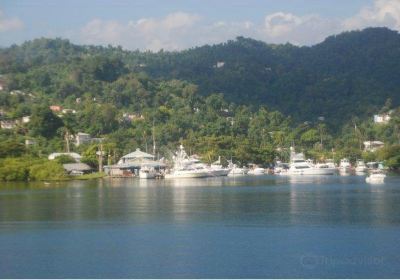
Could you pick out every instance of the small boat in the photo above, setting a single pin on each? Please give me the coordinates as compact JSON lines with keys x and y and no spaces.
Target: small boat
{"x":299,"y":166}
{"x":376,"y":177}
{"x":186,"y":167}
{"x":361,"y":168}
{"x":331,"y":163}
{"x":281,"y":168}
{"x":187,"y":173}
{"x":345,"y":166}
{"x":236,"y":170}
{"x":256,"y":170}
{"x":147,"y":173}
{"x":216,"y":169}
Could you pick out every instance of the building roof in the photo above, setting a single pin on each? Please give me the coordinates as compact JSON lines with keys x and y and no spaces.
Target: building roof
{"x":76,"y":166}
{"x":137,"y":154}
{"x":373,"y":143}
{"x":137,"y":163}
{"x":73,"y":155}
{"x":83,"y":134}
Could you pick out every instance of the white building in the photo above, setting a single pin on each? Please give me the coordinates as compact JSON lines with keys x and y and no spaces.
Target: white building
{"x":219,"y":64}
{"x":30,"y":142}
{"x":26,"y":119}
{"x":372,"y":146}
{"x":382,"y":118}
{"x":66,"y":111}
{"x":134,"y":156}
{"x":75,"y":156}
{"x":82,"y":138}
{"x":10,"y":124}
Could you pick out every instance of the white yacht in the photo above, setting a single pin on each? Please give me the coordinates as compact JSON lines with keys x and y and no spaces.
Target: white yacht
{"x":217,"y":169}
{"x":187,"y":173}
{"x":330,"y":163}
{"x":376,"y":177}
{"x":255,"y":170}
{"x":236,"y":170}
{"x":147,"y":173}
{"x":361,"y":167}
{"x":185,"y":167}
{"x":281,"y":168}
{"x":328,"y":166}
{"x":345,"y":166}
{"x":299,"y":166}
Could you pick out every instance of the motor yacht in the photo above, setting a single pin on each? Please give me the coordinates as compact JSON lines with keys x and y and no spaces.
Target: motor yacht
{"x":345,"y":166}
{"x":186,"y":167}
{"x":235,"y":170}
{"x":376,"y":177}
{"x":299,"y":166}
{"x":255,"y":170}
{"x":147,"y":173}
{"x":361,"y":167}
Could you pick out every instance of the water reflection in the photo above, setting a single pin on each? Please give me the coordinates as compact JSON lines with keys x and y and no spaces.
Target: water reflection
{"x":260,"y":201}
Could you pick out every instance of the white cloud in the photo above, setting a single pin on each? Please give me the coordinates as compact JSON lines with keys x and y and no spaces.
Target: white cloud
{"x":382,"y":13}
{"x":146,"y":33}
{"x":283,"y":27}
{"x":9,"y":24}
{"x":182,"y":30}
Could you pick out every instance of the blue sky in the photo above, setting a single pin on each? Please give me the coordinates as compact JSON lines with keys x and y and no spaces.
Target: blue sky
{"x":179,"y":24}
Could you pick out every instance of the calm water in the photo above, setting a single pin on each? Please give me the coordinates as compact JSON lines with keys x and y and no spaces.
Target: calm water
{"x":253,"y":227}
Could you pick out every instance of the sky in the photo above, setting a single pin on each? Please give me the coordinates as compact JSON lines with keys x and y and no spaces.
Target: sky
{"x":181,"y":24}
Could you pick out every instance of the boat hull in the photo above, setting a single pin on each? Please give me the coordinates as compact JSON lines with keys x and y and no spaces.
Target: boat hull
{"x":219,"y":172}
{"x":376,"y":178}
{"x":187,"y":174}
{"x":145,"y":175}
{"x":257,"y":171}
{"x":238,"y":172}
{"x":311,"y":171}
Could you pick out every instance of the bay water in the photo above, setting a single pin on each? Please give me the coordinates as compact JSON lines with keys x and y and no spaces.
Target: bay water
{"x":241,"y":227}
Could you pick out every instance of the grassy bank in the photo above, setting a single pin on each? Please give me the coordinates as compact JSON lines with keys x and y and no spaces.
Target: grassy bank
{"x":90,"y":176}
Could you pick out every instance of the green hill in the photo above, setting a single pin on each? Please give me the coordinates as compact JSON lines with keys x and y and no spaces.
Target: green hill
{"x":351,"y":74}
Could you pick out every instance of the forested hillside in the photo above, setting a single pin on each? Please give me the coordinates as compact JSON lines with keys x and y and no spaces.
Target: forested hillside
{"x":359,"y":67}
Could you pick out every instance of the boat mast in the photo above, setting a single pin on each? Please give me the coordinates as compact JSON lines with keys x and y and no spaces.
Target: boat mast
{"x":154,"y":141}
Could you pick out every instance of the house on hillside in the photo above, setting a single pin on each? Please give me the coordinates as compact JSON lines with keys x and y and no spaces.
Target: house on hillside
{"x":372,"y":146}
{"x":82,"y":138}
{"x":75,"y":156}
{"x":29,"y":142}
{"x":26,"y":119}
{"x":219,"y":64}
{"x":2,"y":84}
{"x":383,"y":118}
{"x":66,"y":111}
{"x":55,"y":108}
{"x":8,"y":124}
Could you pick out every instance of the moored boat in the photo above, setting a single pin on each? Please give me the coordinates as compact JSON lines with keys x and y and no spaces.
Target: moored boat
{"x":256,"y":170}
{"x":147,"y":173}
{"x":361,"y":167}
{"x":299,"y":166}
{"x":345,"y":166}
{"x":376,"y":177}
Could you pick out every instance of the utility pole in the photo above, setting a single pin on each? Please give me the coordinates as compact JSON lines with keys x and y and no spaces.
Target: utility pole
{"x":101,"y":158}
{"x":67,"y":140}
{"x":154,"y":141}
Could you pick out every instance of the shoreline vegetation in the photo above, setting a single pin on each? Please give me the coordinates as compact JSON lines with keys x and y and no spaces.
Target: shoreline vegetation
{"x":25,"y":169}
